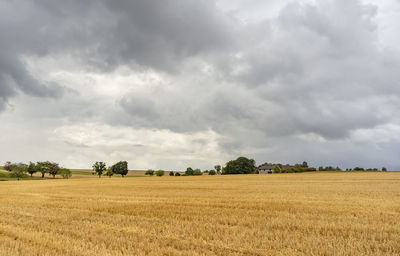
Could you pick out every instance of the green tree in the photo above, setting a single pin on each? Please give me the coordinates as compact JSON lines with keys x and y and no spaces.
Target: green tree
{"x":277,"y":169}
{"x":43,"y":168}
{"x":65,"y":173}
{"x":149,"y":172}
{"x":384,"y":169}
{"x":177,"y":174}
{"x":218,"y":168}
{"x":241,"y":165}
{"x":120,"y":168}
{"x":8,"y":166}
{"x":171,"y":173}
{"x":197,"y":172}
{"x":99,"y":168}
{"x":53,"y":169}
{"x":109,"y":172}
{"x":212,"y":172}
{"x":189,"y":171}
{"x":304,"y":164}
{"x":18,"y":170}
{"x":32,"y":168}
{"x":160,"y":173}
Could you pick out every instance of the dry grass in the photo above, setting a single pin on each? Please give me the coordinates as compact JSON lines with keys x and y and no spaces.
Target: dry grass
{"x":288,"y":214}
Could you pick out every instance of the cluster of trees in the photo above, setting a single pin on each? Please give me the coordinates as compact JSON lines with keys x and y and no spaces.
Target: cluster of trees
{"x":189,"y":172}
{"x":19,"y":170}
{"x":160,"y":173}
{"x":356,"y":169}
{"x":100,"y":168}
{"x":241,"y":165}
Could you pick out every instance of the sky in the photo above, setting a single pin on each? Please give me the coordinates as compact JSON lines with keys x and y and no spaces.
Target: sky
{"x":171,"y":84}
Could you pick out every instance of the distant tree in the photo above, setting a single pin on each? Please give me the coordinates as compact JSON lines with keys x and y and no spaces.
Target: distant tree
{"x":277,"y":169}
{"x":18,"y":170}
{"x":32,"y":168}
{"x":149,"y":172}
{"x":171,"y":173}
{"x":120,"y":168}
{"x":53,"y":169}
{"x":8,"y":166}
{"x":206,"y":171}
{"x":189,"y":171}
{"x":43,"y":167}
{"x":241,"y":165}
{"x":160,"y":173}
{"x":212,"y":172}
{"x":99,"y":168}
{"x":384,"y":169}
{"x":177,"y":174}
{"x":218,"y":168}
{"x":65,"y":173}
{"x":109,"y":172}
{"x":197,"y":172}
{"x":304,"y":164}
{"x":320,"y":169}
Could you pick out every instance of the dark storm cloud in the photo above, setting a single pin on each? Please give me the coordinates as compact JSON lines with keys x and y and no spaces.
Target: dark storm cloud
{"x":103,"y":35}
{"x":315,"y":71}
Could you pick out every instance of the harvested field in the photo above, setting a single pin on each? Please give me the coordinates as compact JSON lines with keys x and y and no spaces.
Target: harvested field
{"x":282,"y":214}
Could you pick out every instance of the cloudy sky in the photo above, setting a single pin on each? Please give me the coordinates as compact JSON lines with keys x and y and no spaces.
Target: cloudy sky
{"x":170,"y":84}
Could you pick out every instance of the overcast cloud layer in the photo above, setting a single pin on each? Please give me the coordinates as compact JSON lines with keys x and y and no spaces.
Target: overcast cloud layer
{"x":196,"y":83}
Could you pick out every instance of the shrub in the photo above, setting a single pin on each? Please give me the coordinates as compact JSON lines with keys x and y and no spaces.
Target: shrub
{"x":149,"y":172}
{"x":197,"y":172}
{"x":65,"y":173}
{"x":277,"y":169}
{"x":384,"y":169}
{"x":160,"y":173}
{"x":189,"y":171}
{"x":18,"y":171}
{"x":171,"y":173}
{"x":109,"y":172}
{"x":177,"y":174}
{"x":212,"y":172}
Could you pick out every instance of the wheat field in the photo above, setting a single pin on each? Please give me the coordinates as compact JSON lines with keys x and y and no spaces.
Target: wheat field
{"x":282,"y":214}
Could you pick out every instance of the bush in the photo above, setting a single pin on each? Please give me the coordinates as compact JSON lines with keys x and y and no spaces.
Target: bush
{"x":212,"y":172}
{"x":197,"y":172}
{"x":109,"y":172}
{"x":177,"y":174}
{"x":189,"y":171}
{"x":160,"y":173}
{"x":277,"y":169}
{"x":18,"y":171}
{"x":149,"y":172}
{"x":65,"y":173}
{"x":171,"y":173}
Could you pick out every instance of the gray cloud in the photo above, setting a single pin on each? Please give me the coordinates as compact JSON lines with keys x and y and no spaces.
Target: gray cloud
{"x":265,"y":77}
{"x":104,"y":35}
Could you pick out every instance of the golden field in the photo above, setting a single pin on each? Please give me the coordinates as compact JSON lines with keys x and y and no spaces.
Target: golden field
{"x":280,"y":214}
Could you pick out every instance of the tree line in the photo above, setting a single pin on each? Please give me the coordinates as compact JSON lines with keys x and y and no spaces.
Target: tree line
{"x":19,"y":170}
